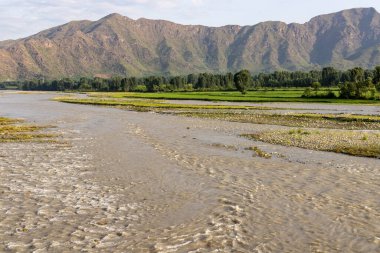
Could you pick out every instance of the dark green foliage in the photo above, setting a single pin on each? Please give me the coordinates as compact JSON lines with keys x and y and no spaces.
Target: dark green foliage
{"x":357,"y":74}
{"x":358,"y":90}
{"x":242,"y":80}
{"x":376,"y":77}
{"x":286,"y":79}
{"x":330,"y":76}
{"x":84,"y":84}
{"x":219,"y":82}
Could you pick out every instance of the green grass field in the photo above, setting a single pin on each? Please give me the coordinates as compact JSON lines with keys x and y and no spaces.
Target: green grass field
{"x":152,"y":104}
{"x":285,"y":95}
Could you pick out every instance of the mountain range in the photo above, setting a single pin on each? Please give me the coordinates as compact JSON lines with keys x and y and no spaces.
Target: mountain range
{"x":118,"y":45}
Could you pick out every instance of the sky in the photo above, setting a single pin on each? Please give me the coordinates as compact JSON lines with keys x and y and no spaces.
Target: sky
{"x":21,"y":18}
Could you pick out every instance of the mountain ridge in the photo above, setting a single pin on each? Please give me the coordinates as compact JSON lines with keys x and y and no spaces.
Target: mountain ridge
{"x":118,"y":45}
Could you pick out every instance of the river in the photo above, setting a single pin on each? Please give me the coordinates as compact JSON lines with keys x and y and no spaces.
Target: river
{"x":145,"y":182}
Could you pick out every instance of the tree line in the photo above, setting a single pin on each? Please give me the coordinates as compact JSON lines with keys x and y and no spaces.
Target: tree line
{"x":355,"y":83}
{"x":242,"y":80}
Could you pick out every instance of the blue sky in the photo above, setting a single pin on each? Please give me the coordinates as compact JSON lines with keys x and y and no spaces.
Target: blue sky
{"x":20,"y":18}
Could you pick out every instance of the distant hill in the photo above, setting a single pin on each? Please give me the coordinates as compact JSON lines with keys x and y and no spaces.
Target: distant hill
{"x":118,"y":45}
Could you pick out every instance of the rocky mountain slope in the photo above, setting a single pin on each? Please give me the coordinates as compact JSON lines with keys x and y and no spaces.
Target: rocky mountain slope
{"x":119,"y":45}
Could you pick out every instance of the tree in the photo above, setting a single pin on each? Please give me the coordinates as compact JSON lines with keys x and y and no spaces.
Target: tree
{"x":368,"y":74}
{"x":229,"y":80}
{"x":358,"y":90}
{"x":153,"y":82}
{"x":356,"y":74}
{"x":192,"y":79}
{"x":242,"y":80}
{"x":307,"y":93}
{"x":316,"y":86}
{"x":61,"y":85}
{"x":203,"y":81}
{"x":140,"y":88}
{"x":115,"y":83}
{"x":330,"y":76}
{"x":376,"y":75}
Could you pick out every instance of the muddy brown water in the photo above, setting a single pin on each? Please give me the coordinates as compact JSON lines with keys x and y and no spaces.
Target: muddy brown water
{"x":145,"y":182}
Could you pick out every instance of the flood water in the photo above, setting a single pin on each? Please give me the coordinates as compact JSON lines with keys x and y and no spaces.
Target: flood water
{"x":146,"y":182}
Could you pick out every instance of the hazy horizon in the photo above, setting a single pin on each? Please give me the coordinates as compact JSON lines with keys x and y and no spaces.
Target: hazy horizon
{"x":20,"y":19}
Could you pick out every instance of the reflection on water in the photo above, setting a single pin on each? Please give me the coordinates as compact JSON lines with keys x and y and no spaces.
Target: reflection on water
{"x":143,"y":182}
